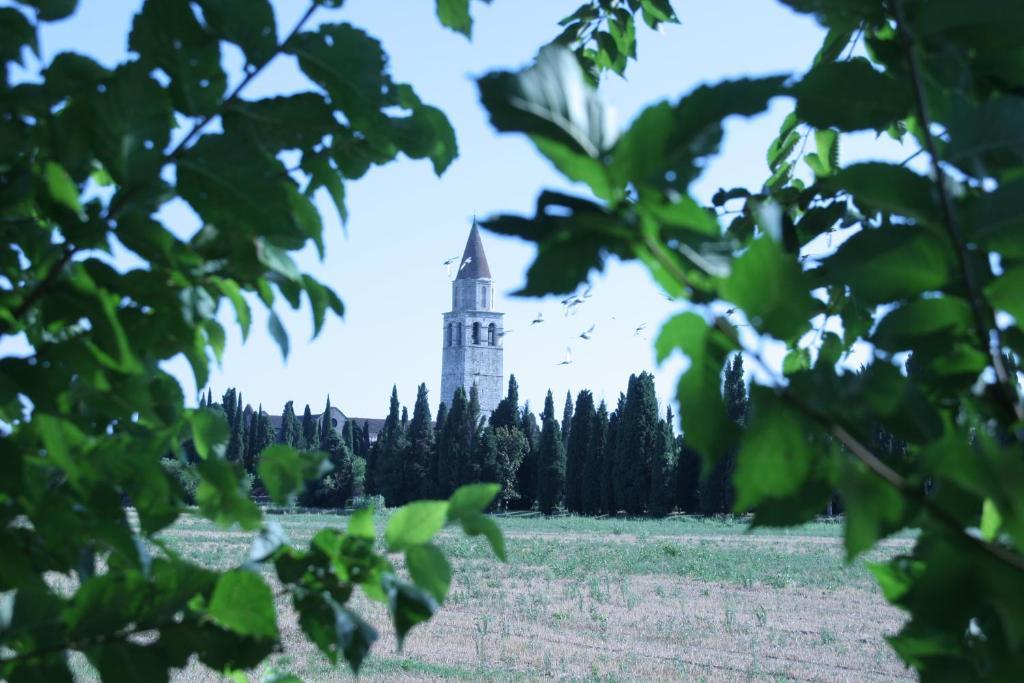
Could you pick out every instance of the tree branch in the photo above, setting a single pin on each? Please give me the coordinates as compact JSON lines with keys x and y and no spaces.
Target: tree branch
{"x":984,"y":322}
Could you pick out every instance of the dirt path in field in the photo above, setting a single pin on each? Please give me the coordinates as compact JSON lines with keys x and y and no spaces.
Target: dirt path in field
{"x":783,"y":542}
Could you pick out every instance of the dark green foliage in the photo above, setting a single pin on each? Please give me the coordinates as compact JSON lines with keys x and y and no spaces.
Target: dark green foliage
{"x":526,"y":478}
{"x":566,"y":424}
{"x":327,"y":426}
{"x":389,"y":461}
{"x":688,"y":474}
{"x":506,"y":414}
{"x":433,"y":488}
{"x":718,"y":495}
{"x":420,"y":440}
{"x":310,"y":431}
{"x":609,"y":504}
{"x":550,"y":461}
{"x":580,"y":449}
{"x":637,"y":440}
{"x":509,"y":450}
{"x":663,"y":469}
{"x":455,"y":444}
{"x":592,"y":480}
{"x":291,"y":428}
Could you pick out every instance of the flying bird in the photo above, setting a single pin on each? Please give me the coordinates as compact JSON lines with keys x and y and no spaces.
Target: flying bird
{"x":586,"y":335}
{"x":588,"y":292}
{"x":568,"y":357}
{"x":469,"y":259}
{"x":639,"y":329}
{"x":450,"y":261}
{"x":538,"y":319}
{"x":504,"y":332}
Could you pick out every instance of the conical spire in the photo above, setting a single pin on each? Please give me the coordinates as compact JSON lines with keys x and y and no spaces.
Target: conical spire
{"x":474,"y":261}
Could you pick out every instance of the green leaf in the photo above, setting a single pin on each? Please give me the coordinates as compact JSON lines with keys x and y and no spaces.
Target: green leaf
{"x":278,"y":332}
{"x":995,"y":221}
{"x":781,"y":148}
{"x":770,"y":286}
{"x":348,"y":64}
{"x":231,"y":290}
{"x":664,"y":146}
{"x":242,"y":602}
{"x":889,"y":188}
{"x":481,"y":524}
{"x":550,"y":100}
{"x":52,"y":10}
{"x":409,"y":606}
{"x":830,"y":12}
{"x":15,"y":33}
{"x":902,"y":328}
{"x":125,"y":662}
{"x":874,"y":509}
{"x":1005,"y":293}
{"x":707,"y":427}
{"x":851,"y":96}
{"x":886,"y":264}
{"x":775,"y":458}
{"x":322,"y":174}
{"x":985,"y":139}
{"x":360,"y":525}
{"x":248,"y":24}
{"x":429,"y":570}
{"x":577,"y":166}
{"x":210,"y":432}
{"x":426,"y":134}
{"x":299,"y":121}
{"x":470,"y":499}
{"x":991,"y":520}
{"x":415,"y":523}
{"x":167,"y":35}
{"x":130,"y":124}
{"x":221,"y":497}
{"x":455,"y":15}
{"x":335,"y":629}
{"x":284,"y":471}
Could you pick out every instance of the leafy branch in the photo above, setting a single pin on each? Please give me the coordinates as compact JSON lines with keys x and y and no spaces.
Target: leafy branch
{"x":984,"y":323}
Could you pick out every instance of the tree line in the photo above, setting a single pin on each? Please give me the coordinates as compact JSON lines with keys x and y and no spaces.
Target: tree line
{"x":589,"y":461}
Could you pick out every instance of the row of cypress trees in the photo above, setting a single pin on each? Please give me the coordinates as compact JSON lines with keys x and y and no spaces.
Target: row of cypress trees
{"x":592,"y":461}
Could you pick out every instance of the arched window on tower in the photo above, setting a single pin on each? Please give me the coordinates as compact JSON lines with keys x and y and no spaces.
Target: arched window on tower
{"x":476,"y":333}
{"x":492,"y":334}
{"x":448,"y":335}
{"x":458,"y":335}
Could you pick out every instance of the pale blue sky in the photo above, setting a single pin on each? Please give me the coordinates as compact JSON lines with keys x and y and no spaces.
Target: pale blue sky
{"x":404,"y":222}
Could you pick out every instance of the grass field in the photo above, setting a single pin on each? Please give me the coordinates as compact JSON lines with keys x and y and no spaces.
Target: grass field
{"x":614,"y":599}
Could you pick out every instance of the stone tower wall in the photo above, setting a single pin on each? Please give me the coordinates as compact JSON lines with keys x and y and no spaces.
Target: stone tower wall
{"x":465,"y":362}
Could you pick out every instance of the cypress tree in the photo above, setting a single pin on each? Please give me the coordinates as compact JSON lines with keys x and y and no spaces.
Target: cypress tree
{"x":233,"y":412}
{"x":717,"y":494}
{"x":484,"y":463}
{"x":550,"y":460}
{"x":509,"y":450}
{"x":507,"y":412}
{"x":609,"y":503}
{"x":687,"y":478}
{"x":227,"y":404}
{"x":567,"y":419}
{"x":474,"y":407}
{"x":348,"y":436}
{"x":202,"y":400}
{"x":663,"y":469}
{"x":310,"y":431}
{"x":209,"y":397}
{"x":326,"y":424}
{"x":405,"y":420}
{"x":249,"y":419}
{"x":590,"y":489}
{"x":264,"y":432}
{"x":639,"y":426}
{"x":291,"y":430}
{"x":388,"y":466}
{"x":420,"y":439}
{"x":365,"y":437}
{"x":526,"y":477}
{"x":454,"y":445}
{"x":579,"y":449}
{"x":433,"y":487}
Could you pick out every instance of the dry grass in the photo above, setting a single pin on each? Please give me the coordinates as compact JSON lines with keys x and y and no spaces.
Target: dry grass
{"x":617,"y":600}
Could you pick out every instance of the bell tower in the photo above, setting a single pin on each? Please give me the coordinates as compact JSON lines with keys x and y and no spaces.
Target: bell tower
{"x":472,"y":333}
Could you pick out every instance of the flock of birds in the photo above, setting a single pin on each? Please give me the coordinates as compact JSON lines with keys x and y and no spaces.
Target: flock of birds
{"x":569,"y":308}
